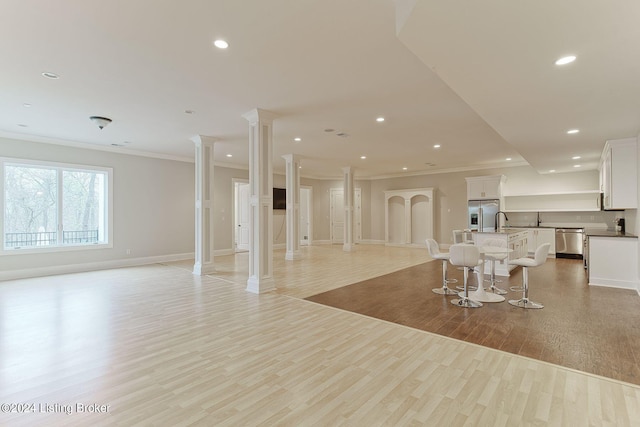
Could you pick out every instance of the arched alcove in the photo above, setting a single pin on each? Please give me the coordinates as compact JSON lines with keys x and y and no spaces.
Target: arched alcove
{"x":409,"y":216}
{"x":419,"y":219}
{"x":397,"y":226}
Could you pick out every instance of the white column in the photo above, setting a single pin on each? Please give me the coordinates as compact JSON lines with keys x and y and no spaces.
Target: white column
{"x":204,"y":205}
{"x":349,"y":198}
{"x":293,"y":206}
{"x":261,"y":201}
{"x":407,"y":220}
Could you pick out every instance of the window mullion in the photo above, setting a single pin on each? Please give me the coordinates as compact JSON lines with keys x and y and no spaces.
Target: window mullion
{"x":59,"y":206}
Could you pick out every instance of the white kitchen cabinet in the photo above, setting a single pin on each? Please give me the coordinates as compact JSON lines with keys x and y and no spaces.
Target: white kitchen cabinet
{"x":485,"y":187}
{"x":516,"y":240}
{"x":613,"y":261}
{"x":540,"y":236}
{"x":618,"y":174}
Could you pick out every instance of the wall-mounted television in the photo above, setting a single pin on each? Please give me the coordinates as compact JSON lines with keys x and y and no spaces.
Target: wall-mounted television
{"x":279,"y":198}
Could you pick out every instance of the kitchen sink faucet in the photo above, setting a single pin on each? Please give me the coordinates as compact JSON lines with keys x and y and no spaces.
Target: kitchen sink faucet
{"x":505,"y":218}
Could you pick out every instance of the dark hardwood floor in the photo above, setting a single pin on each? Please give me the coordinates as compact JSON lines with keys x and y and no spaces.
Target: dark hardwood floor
{"x":591,"y":329}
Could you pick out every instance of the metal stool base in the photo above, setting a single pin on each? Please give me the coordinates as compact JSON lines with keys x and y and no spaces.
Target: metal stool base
{"x":443,"y":291}
{"x":516,"y":289}
{"x":466,"y":302}
{"x":525,"y":303}
{"x":498,"y":291}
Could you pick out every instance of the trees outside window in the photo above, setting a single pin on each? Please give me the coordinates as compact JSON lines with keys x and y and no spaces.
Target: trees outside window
{"x":49,"y":206}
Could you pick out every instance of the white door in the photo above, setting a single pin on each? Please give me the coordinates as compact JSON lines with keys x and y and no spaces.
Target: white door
{"x":305,"y":216}
{"x":337,"y":215}
{"x":242,"y":215}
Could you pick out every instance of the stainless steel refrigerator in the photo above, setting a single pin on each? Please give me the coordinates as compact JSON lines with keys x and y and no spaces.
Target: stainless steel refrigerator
{"x":482,"y":214}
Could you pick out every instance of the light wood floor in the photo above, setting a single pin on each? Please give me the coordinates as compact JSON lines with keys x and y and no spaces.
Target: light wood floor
{"x":163,"y":347}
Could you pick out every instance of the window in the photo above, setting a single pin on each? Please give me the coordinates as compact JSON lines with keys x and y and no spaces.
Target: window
{"x":51,"y":206}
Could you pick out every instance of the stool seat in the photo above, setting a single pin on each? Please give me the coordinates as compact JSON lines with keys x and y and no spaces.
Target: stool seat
{"x":540,"y":257}
{"x":466,"y":256}
{"x":493,"y":258}
{"x":434,"y":252}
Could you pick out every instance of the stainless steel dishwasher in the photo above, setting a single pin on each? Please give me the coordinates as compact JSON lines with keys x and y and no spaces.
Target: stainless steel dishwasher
{"x":569,"y":243}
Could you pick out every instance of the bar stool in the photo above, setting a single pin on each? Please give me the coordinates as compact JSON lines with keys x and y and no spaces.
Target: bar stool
{"x":434,"y":252}
{"x":539,"y":258}
{"x":467,"y":256}
{"x":463,"y":236}
{"x":493,"y":257}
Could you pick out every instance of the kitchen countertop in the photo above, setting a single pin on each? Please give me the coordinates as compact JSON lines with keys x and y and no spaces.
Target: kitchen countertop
{"x":599,"y":232}
{"x":504,"y":230}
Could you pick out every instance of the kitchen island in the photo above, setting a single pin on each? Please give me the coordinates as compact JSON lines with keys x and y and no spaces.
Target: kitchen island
{"x":516,"y":241}
{"x":612,"y":258}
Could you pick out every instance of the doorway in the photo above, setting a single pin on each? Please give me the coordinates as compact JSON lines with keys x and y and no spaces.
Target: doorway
{"x":306,"y":223}
{"x":241,"y":216}
{"x":336,"y":210}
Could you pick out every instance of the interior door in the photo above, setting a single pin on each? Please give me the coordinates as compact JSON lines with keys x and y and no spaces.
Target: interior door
{"x":242,"y":214}
{"x":337,"y":215}
{"x":305,"y":216}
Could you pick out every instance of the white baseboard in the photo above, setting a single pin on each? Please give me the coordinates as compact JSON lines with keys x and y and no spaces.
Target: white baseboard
{"x":223,"y":252}
{"x":613,"y":283}
{"x":321,"y":242}
{"x":370,"y":242}
{"x":90,"y":266}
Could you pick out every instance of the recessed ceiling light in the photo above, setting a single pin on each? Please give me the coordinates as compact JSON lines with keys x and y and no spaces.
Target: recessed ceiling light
{"x":329,"y":130}
{"x":565,"y":60}
{"x":436,"y":146}
{"x":508,"y":159}
{"x":221,"y":44}
{"x":229,"y":155}
{"x":405,"y":168}
{"x":189,"y":111}
{"x":572,"y":131}
{"x":576,"y":166}
{"x":22,"y":125}
{"x":380,"y":119}
{"x":26,"y":105}
{"x":299,"y":166}
{"x":50,"y":75}
{"x":297,"y":139}
{"x":552,"y":170}
{"x":363,"y":157}
{"x":575,"y":157}
{"x":116,"y":144}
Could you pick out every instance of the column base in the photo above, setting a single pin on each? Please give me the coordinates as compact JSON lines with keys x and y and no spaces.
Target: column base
{"x":260,"y":286}
{"x":348,"y":247}
{"x":202,"y":270}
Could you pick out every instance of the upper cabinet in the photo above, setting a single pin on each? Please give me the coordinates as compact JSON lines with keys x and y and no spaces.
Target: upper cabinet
{"x":619,"y":175}
{"x":485,"y":187}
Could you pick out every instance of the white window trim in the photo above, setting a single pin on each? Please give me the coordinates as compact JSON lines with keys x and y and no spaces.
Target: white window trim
{"x":65,"y":166}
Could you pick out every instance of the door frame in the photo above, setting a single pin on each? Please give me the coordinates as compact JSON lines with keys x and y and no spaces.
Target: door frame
{"x":309,"y":241}
{"x":234,"y":212}
{"x":357,"y":217}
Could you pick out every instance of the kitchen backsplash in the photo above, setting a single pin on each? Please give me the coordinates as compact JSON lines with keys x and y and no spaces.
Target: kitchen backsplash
{"x":597,"y":219}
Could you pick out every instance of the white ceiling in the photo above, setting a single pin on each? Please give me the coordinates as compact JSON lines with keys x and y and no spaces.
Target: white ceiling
{"x":476,"y":77}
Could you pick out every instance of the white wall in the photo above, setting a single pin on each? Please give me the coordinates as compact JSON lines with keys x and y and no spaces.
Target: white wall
{"x":153,"y":210}
{"x":451,"y":194}
{"x":154,"y":204}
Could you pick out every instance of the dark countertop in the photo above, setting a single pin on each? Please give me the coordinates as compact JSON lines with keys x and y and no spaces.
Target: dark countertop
{"x":598,"y":232}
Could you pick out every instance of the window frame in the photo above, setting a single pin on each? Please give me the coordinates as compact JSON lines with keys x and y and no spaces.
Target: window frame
{"x":60,"y":168}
